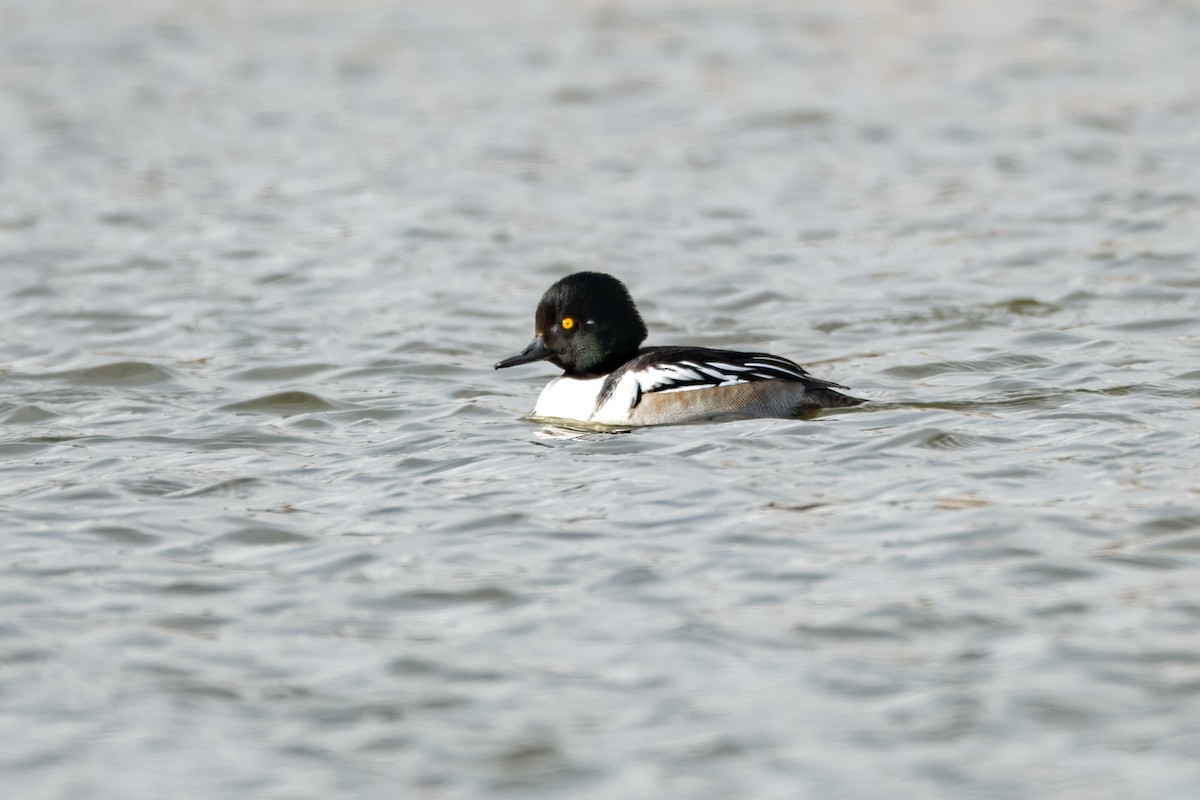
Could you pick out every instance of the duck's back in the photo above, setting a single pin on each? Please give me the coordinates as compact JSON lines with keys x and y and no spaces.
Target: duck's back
{"x":665,"y":385}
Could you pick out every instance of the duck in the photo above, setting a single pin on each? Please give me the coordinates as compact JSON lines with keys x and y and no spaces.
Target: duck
{"x":587,"y":325}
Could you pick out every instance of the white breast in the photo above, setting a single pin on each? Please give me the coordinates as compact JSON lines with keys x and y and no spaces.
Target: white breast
{"x":569,"y":398}
{"x":576,"y":398}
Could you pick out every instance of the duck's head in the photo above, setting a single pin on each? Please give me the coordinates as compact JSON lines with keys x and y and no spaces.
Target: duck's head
{"x":586,"y":324}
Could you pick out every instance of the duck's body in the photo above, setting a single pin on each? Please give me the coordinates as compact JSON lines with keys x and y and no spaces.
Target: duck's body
{"x":665,"y":385}
{"x":588,"y":325}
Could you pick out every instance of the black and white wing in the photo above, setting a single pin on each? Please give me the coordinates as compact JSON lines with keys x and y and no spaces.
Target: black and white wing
{"x":671,"y":369}
{"x":663,"y":371}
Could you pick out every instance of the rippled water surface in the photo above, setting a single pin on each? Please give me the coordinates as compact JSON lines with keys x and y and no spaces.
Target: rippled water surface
{"x":272,"y":527}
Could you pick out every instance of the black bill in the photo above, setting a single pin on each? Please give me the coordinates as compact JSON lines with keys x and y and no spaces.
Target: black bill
{"x":536,"y":351}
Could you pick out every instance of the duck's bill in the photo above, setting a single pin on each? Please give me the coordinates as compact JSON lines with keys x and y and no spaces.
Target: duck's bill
{"x":535,"y":352}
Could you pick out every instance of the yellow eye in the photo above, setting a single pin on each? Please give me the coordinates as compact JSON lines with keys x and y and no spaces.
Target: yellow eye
{"x":568,"y":323}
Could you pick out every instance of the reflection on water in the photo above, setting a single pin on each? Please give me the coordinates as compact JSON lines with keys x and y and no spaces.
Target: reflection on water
{"x":273,"y":526}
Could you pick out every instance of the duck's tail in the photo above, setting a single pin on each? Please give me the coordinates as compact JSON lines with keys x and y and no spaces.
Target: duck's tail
{"x":824,"y":397}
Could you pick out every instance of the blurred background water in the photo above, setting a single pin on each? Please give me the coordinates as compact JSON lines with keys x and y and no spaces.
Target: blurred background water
{"x":272,"y":527}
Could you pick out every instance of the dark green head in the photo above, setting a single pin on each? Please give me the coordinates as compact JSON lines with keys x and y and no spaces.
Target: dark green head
{"x":586,"y":324}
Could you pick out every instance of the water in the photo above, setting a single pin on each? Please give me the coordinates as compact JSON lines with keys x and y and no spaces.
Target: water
{"x":272,"y":527}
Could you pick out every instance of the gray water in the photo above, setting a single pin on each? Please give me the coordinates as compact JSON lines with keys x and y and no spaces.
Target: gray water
{"x":272,"y":527}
